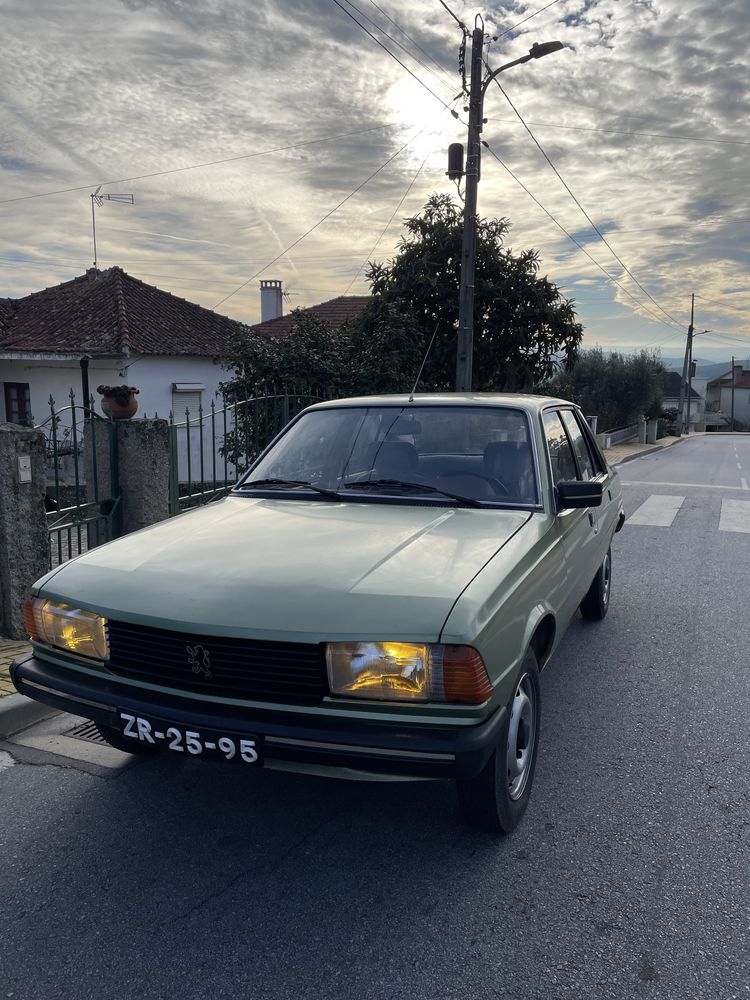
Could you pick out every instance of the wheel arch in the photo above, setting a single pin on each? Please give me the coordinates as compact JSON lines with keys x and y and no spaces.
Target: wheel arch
{"x":542,"y":639}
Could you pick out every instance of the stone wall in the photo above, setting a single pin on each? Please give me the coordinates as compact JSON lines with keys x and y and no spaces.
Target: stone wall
{"x":24,"y":551}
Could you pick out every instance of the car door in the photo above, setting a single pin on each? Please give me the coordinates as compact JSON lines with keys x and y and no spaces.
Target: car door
{"x":591,"y":466}
{"x":574,"y":525}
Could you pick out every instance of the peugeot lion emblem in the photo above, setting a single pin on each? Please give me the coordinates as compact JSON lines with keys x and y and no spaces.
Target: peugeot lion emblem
{"x":200,"y":660}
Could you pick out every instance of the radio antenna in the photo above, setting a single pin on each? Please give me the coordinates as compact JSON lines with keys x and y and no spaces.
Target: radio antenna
{"x":98,"y":200}
{"x":424,"y":361}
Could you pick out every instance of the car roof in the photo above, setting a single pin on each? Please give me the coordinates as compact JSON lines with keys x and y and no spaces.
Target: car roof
{"x":525,"y":401}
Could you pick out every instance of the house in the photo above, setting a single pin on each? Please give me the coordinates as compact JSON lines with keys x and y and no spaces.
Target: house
{"x":728,"y":395}
{"x":671,"y":398}
{"x":334,"y":312}
{"x":131,"y":333}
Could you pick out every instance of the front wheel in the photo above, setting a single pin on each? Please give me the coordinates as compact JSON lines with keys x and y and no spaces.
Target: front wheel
{"x":595,"y":604}
{"x":496,"y":799}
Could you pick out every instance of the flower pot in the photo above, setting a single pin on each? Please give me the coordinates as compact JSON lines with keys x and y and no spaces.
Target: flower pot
{"x":118,"y":402}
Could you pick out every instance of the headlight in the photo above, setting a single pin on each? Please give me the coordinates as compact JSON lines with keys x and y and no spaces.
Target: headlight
{"x":72,"y":629}
{"x":406,"y":671}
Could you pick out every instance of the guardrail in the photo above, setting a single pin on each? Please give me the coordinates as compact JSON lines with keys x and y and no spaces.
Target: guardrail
{"x":619,"y":435}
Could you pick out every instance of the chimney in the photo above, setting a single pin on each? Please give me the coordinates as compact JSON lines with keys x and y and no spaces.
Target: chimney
{"x":271,"y":303}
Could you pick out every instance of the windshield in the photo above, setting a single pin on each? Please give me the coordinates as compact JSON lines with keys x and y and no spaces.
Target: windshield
{"x":476,"y":453}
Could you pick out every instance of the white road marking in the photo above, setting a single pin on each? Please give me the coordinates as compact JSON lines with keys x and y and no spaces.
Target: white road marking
{"x":658,"y":511}
{"x":735,"y":516}
{"x":739,"y":466}
{"x":744,"y":483}
{"x":687,"y":486}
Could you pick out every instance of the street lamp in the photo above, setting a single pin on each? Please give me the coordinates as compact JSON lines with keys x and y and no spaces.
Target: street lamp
{"x":465,"y":346}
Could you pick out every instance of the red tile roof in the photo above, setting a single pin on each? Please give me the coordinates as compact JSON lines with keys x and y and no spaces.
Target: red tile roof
{"x":725,"y":382}
{"x":111,"y":313}
{"x":335,"y":312}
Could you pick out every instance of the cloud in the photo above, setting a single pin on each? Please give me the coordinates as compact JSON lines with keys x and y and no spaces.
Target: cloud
{"x":96,"y":91}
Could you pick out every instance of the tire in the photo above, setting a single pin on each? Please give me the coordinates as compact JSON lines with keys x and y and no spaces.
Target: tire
{"x":496,"y":799}
{"x":595,"y":604}
{"x":127,"y":744}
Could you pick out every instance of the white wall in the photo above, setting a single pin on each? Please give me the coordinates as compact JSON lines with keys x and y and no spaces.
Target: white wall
{"x":153,"y":376}
{"x":741,"y":403}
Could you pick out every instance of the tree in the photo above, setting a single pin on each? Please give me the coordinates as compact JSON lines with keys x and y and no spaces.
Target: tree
{"x":618,"y":388}
{"x":523,"y":328}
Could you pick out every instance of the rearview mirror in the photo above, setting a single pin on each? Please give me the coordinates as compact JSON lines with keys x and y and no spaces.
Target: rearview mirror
{"x":578,"y":494}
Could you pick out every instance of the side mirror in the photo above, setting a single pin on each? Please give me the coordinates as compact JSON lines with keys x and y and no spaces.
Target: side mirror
{"x":578,"y":494}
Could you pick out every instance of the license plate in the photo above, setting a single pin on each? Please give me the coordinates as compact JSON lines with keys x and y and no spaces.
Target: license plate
{"x":192,"y":742}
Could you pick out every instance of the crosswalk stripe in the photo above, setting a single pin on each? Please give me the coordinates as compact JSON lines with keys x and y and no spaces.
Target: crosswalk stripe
{"x":658,"y":511}
{"x":735,"y":515}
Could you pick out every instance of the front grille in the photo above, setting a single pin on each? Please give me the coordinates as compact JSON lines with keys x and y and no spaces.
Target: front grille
{"x":239,"y":668}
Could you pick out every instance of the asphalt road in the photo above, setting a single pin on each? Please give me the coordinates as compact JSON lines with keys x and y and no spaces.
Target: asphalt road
{"x":630,"y":876}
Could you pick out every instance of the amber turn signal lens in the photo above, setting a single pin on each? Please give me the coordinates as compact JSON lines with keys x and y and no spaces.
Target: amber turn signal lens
{"x":72,"y":629}
{"x":465,"y":677}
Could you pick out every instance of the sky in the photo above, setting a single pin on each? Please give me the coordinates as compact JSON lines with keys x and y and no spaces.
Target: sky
{"x":644,"y":114}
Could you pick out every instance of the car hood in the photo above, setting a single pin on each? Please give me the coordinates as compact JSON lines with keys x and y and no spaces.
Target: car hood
{"x":300,"y":570}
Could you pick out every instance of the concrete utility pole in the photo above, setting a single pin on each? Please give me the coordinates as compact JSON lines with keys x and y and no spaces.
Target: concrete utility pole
{"x":688,"y":351}
{"x":465,"y":344}
{"x":732,"y":425}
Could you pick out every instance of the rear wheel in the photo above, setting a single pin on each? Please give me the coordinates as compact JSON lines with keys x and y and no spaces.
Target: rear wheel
{"x":496,"y":799}
{"x":595,"y":604}
{"x":125,"y":743}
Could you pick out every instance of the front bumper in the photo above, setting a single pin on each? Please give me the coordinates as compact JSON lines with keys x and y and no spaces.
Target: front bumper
{"x":383,"y":747}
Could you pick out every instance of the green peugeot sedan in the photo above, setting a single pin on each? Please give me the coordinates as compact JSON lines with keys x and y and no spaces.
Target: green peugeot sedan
{"x":378,"y":592}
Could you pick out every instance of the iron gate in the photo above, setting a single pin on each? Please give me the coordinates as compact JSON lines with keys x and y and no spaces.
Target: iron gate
{"x":83,"y":490}
{"x":210,"y":449}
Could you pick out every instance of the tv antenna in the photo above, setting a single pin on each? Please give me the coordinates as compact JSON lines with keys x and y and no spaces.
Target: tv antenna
{"x":97,"y":200}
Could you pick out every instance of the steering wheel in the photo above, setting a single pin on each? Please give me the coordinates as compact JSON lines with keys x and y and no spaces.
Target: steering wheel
{"x":494,"y":483}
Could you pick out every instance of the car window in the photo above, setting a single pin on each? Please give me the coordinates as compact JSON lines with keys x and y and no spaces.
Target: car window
{"x":482,"y":453}
{"x":580,"y":445}
{"x":560,"y":452}
{"x":600,"y":465}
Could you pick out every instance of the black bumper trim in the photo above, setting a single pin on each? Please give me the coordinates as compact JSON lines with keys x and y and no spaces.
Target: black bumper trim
{"x":408,"y":748}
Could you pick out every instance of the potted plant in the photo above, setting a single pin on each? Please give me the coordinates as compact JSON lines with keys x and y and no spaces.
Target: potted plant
{"x":118,"y":401}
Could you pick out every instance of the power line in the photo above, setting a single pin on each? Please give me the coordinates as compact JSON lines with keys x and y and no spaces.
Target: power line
{"x":388,"y":224}
{"x":618,"y":131}
{"x":458,"y":21}
{"x":207,"y":163}
{"x":724,"y":305}
{"x":407,"y":36}
{"x":540,"y":11}
{"x":572,"y":238}
{"x":394,"y":56}
{"x":320,"y":222}
{"x":395,"y":41}
{"x":586,"y":215}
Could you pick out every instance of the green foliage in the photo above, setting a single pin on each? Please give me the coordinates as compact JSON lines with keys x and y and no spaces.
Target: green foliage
{"x":618,"y":388}
{"x":523,"y":329}
{"x":522,"y":326}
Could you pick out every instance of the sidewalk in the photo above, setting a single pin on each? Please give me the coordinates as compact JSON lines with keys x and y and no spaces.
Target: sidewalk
{"x":9,"y":650}
{"x":632,"y":449}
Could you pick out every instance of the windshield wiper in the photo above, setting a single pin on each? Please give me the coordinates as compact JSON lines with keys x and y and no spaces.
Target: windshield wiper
{"x":469,"y":501}
{"x":262,"y":483}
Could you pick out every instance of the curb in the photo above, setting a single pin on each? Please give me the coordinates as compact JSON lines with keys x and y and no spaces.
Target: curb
{"x":18,"y":712}
{"x":647,"y":451}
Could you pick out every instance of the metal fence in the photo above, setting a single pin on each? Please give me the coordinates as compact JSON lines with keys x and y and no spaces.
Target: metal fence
{"x":210,"y":449}
{"x":82,"y":495}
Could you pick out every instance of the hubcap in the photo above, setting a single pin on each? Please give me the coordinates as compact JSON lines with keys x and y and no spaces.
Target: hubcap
{"x":606,"y":574}
{"x":521,"y":735}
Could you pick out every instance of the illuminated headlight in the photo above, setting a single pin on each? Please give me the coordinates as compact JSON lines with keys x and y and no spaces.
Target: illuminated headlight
{"x":72,"y":629}
{"x":407,"y":671}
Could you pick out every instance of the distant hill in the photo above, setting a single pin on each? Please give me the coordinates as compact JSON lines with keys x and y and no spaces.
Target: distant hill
{"x":705,"y":369}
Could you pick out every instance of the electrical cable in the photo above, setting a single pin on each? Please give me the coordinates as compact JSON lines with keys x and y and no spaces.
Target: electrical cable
{"x":617,"y":131}
{"x":540,"y":11}
{"x":413,"y":41}
{"x":320,"y":222}
{"x":395,"y":41}
{"x":586,"y":215}
{"x":725,"y":305}
{"x":572,"y":238}
{"x":207,"y":163}
{"x":458,"y":21}
{"x":393,"y":56}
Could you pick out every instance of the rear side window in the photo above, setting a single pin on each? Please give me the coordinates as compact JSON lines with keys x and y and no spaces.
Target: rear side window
{"x":560,"y":452}
{"x":580,"y":445}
